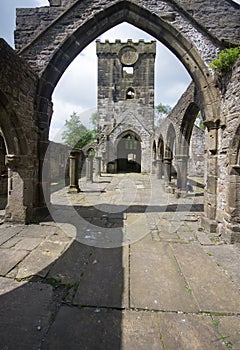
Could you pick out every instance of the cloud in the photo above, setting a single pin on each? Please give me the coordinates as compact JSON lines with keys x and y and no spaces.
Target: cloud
{"x":42,"y":2}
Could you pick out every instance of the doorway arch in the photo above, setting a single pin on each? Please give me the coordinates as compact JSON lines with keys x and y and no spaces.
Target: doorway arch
{"x":129,"y":153}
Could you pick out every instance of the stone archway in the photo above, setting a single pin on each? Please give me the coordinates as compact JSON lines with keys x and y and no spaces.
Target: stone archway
{"x":128,"y":153}
{"x":169,"y":152}
{"x":183,"y":143}
{"x":181,"y":26}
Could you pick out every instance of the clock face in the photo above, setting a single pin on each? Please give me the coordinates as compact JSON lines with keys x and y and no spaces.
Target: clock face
{"x":128,"y":56}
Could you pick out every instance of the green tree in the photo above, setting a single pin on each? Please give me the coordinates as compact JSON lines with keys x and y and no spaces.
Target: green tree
{"x":226,"y":59}
{"x":161,"y":112}
{"x":76,"y":134}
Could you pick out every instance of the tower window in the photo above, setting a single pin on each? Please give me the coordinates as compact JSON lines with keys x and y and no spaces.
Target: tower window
{"x":127,"y":71}
{"x":130,"y":94}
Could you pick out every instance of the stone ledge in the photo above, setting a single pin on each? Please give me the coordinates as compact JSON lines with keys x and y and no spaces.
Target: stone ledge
{"x":209,"y":225}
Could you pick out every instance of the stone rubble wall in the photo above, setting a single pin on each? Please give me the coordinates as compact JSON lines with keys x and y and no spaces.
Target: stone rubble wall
{"x":196,"y":153}
{"x":18,"y":83}
{"x":220,"y":18}
{"x":18,"y":86}
{"x":228,"y":208}
{"x":182,"y":15}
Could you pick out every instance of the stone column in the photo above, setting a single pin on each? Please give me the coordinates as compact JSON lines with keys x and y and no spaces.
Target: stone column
{"x":22,"y":189}
{"x":89,"y":168}
{"x":159,"y":168}
{"x":230,"y":228}
{"x":154,"y":165}
{"x":182,"y":166}
{"x":73,"y":173}
{"x":167,"y":166}
{"x":208,"y":220}
{"x":98,"y":165}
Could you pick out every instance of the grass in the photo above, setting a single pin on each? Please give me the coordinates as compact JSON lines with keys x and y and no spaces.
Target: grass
{"x":188,"y":288}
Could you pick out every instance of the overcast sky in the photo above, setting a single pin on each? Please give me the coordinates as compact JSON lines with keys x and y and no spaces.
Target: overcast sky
{"x":77,"y":89}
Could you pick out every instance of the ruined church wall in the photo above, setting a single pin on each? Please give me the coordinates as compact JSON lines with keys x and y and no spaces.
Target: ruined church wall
{"x":58,"y":28}
{"x":228,"y":208}
{"x":196,"y":152}
{"x":18,"y":83}
{"x":224,"y":14}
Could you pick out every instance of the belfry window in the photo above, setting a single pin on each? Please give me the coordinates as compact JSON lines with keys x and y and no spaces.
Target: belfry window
{"x":130,"y":94}
{"x":127,"y":71}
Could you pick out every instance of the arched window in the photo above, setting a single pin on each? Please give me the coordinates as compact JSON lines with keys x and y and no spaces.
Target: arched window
{"x":130,"y":94}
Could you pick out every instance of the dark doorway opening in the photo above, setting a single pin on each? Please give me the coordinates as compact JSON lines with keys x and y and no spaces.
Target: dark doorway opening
{"x":129,"y":154}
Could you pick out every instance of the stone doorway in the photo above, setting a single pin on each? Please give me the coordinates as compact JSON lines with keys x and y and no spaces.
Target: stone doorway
{"x":129,"y":154}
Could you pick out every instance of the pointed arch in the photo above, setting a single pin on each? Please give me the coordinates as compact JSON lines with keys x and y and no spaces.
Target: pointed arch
{"x":12,"y":132}
{"x":129,"y":152}
{"x":122,"y":11}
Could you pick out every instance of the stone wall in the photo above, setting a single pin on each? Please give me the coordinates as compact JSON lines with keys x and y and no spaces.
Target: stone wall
{"x":228,"y":208}
{"x":220,"y":18}
{"x":45,"y":28}
{"x":18,"y":86}
{"x":196,"y":153}
{"x":59,"y":154}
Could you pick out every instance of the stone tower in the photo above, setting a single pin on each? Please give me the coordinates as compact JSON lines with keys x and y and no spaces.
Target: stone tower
{"x":126,"y":104}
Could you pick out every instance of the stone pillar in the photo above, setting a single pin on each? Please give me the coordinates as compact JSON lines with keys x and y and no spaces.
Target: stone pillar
{"x":159,"y":168}
{"x":167,"y":166}
{"x":182,"y":166}
{"x":104,"y":168}
{"x":73,"y":172}
{"x":22,"y":189}
{"x":89,"y":168}
{"x":154,"y":165}
{"x":230,"y":228}
{"x":98,"y":165}
{"x":208,"y":220}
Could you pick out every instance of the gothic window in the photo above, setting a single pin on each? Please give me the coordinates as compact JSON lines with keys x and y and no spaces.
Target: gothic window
{"x":130,"y":94}
{"x":130,"y":143}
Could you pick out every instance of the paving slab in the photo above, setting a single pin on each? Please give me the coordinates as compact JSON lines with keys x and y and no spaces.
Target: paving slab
{"x":229,"y":328}
{"x":102,"y":329}
{"x":27,"y":243}
{"x":39,"y":261}
{"x":212,"y":289}
{"x":136,"y":227}
{"x":105,"y":280}
{"x":9,"y":258}
{"x":228,"y":258}
{"x":71,"y":265}
{"x":37,"y":231}
{"x":156,"y":281}
{"x":189,"y":332}
{"x":85,"y":329}
{"x":140,"y":331}
{"x":24,"y":314}
{"x":7,"y":232}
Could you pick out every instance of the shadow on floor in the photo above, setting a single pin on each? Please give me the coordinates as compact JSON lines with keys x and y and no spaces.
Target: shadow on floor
{"x":62,"y":310}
